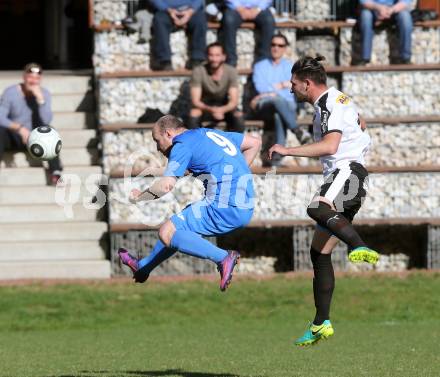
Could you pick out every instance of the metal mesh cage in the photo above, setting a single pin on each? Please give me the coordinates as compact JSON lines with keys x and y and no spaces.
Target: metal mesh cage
{"x":141,"y":243}
{"x":302,"y":239}
{"x":433,"y":252}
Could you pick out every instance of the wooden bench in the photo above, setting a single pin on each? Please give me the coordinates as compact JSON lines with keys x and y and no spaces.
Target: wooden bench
{"x":307,"y":25}
{"x":410,"y":120}
{"x":157,"y":172}
{"x":247,"y":72}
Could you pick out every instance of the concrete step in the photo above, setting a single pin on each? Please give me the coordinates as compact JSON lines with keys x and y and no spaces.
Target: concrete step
{"x":37,"y":176}
{"x":66,"y":231}
{"x":45,"y":213}
{"x":33,"y":195}
{"x":78,"y":102}
{"x":69,"y":157}
{"x":50,"y":251}
{"x":55,"y":270}
{"x":73,"y":120}
{"x":78,"y":138}
{"x":55,"y":82}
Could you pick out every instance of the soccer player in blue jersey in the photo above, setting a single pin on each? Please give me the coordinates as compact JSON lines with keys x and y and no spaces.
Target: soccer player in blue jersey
{"x":221,"y":160}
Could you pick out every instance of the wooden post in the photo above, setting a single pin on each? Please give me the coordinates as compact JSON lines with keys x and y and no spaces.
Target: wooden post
{"x":429,"y":5}
{"x":90,"y":9}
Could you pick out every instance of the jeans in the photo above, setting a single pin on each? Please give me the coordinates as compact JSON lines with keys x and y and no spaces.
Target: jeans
{"x":283,"y":114}
{"x":10,"y":141}
{"x":230,"y":24}
{"x":163,"y":26}
{"x":404,"y":24}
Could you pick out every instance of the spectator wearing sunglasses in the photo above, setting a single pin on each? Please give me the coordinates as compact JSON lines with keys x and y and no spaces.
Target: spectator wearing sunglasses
{"x":24,"y":107}
{"x":274,"y":103}
{"x":238,"y":11}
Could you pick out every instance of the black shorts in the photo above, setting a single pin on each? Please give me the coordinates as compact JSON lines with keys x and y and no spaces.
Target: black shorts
{"x":346,"y":188}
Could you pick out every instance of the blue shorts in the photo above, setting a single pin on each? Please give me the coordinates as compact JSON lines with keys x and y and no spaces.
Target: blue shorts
{"x":207,"y":219}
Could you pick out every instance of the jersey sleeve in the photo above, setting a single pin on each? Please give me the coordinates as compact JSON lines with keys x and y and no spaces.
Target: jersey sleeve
{"x":335,"y":120}
{"x":332,"y":114}
{"x":178,"y":162}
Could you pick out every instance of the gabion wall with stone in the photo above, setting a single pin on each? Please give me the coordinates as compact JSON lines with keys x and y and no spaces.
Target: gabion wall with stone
{"x":117,"y":50}
{"x":141,"y":242}
{"x":108,"y":11}
{"x":425,"y":46}
{"x":394,"y":93}
{"x":393,"y":145}
{"x":136,"y":149}
{"x":311,"y":10}
{"x":285,"y":197}
{"x":125,"y":100}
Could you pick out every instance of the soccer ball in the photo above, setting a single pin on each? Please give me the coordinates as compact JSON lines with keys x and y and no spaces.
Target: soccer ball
{"x":44,"y":143}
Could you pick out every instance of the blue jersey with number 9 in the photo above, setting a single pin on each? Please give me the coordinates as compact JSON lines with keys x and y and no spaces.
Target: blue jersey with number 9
{"x":215,"y":158}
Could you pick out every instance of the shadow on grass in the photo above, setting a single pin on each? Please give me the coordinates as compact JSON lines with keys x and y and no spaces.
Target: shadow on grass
{"x":146,"y":373}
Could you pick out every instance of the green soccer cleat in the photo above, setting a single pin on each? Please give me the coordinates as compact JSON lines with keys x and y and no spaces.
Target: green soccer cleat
{"x":315,"y":333}
{"x":363,"y":254}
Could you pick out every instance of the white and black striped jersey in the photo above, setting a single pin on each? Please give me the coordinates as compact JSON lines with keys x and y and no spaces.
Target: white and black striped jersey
{"x":336,"y":112}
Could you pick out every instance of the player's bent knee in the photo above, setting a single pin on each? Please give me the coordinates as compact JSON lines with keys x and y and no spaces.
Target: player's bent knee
{"x":166,"y":232}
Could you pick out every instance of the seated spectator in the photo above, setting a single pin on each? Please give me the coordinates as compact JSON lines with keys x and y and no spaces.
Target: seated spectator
{"x":214,"y":91}
{"x":255,"y":11}
{"x":24,"y":107}
{"x":386,"y":11}
{"x":171,"y":15}
{"x":274,"y":102}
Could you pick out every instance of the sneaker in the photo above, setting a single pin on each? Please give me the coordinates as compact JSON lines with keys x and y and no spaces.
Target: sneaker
{"x":363,"y":254}
{"x":193,"y":63}
{"x":360,"y":62}
{"x":140,"y":275}
{"x":315,"y":333}
{"x":56,"y":178}
{"x":226,"y":267}
{"x":162,"y":66}
{"x":128,"y":259}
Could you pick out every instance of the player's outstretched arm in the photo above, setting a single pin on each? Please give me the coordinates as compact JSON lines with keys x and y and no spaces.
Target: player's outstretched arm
{"x":327,"y":146}
{"x":250,"y":146}
{"x":158,"y":189}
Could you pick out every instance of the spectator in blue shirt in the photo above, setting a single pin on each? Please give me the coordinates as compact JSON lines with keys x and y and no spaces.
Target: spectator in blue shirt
{"x":23,"y":107}
{"x":274,"y":102}
{"x":386,"y":10}
{"x":256,"y":11}
{"x":171,"y":15}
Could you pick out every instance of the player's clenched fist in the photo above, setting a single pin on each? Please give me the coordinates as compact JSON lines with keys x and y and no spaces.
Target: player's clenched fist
{"x":277,"y":148}
{"x":135,"y":195}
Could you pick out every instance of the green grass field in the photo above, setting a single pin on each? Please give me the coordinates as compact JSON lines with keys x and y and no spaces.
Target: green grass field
{"x":385,"y":326}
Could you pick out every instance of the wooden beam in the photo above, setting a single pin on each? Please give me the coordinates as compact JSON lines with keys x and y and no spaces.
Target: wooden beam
{"x":414,"y":221}
{"x":411,"y":120}
{"x":259,"y":170}
{"x":310,"y":25}
{"x":246,"y":72}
